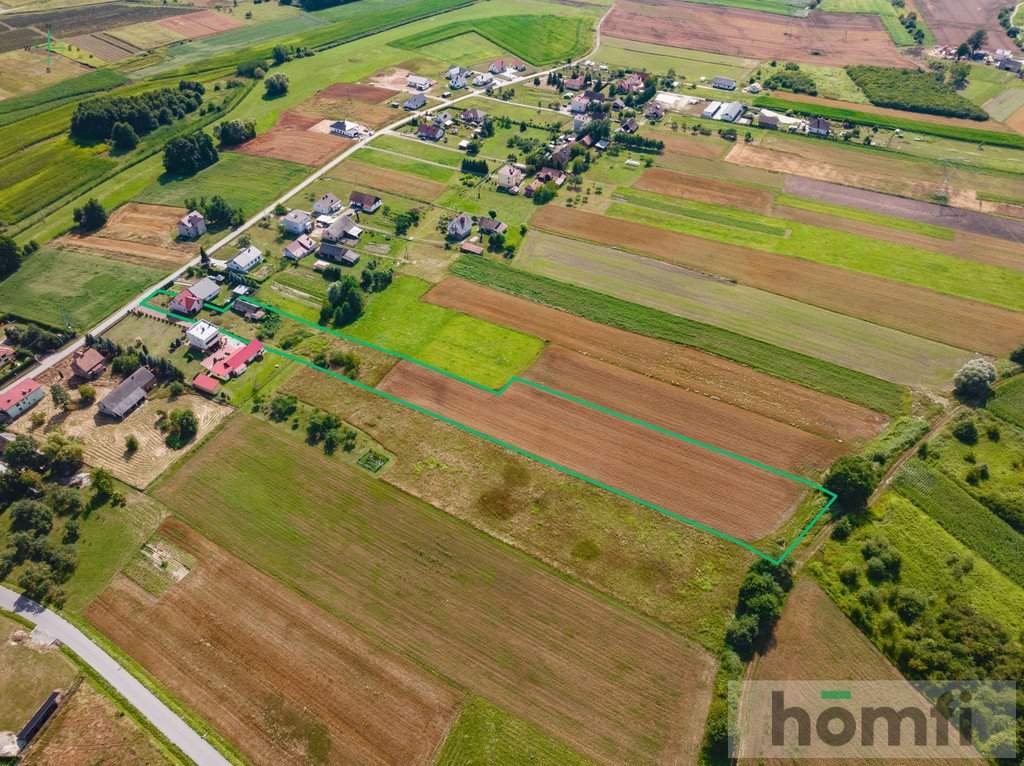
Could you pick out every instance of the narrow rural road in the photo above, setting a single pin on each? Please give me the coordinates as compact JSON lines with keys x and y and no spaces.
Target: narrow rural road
{"x":143,"y":700}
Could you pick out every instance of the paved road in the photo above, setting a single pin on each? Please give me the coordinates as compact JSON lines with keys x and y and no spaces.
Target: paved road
{"x":143,"y":700}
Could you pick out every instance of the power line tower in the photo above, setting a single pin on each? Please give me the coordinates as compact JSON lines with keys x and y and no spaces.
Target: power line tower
{"x":49,"y":49}
{"x":948,"y":174}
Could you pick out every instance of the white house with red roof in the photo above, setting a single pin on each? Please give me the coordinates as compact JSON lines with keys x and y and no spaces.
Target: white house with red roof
{"x":235,"y":363}
{"x":20,"y":398}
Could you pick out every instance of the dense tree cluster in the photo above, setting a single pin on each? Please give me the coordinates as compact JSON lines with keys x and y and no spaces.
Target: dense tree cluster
{"x":181,"y":427}
{"x":90,"y":216}
{"x":217,"y":211}
{"x":852,"y":478}
{"x":33,"y":337}
{"x":374,"y":278}
{"x":235,"y":132}
{"x":477,"y":167}
{"x":759,"y":606}
{"x":790,"y":77}
{"x":11,"y":255}
{"x":344,"y":302}
{"x":187,"y":155}
{"x":94,"y":120}
{"x":276,"y":84}
{"x":913,"y":90}
{"x":639,"y":143}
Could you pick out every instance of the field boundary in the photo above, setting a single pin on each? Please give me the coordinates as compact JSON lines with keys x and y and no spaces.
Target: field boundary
{"x":831,"y":496}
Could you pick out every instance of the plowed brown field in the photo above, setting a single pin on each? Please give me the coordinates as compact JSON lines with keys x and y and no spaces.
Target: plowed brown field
{"x":199,"y":24}
{"x":961,"y":323}
{"x":279,"y":678}
{"x":304,"y":146}
{"x":691,"y":147}
{"x":701,"y":189}
{"x":687,"y":368}
{"x":136,"y":233}
{"x":823,"y":38}
{"x":385,"y":179}
{"x":714,"y":490}
{"x":369,"y":93}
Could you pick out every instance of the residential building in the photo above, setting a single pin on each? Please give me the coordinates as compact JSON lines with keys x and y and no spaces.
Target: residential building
{"x":730,"y":112}
{"x":580,"y":121}
{"x":417,"y":82}
{"x":347,"y":129}
{"x":20,"y":398}
{"x":328,"y":204}
{"x":250,"y":312}
{"x":415,"y":101}
{"x":579,"y":105}
{"x":573,"y":83}
{"x":492,"y":226}
{"x":482,"y":79}
{"x":551,"y":174}
{"x":531,"y":187}
{"x":769,"y":121}
{"x":723,"y":83}
{"x":202,"y":336}
{"x":300,"y":247}
{"x":819,"y":126}
{"x":129,"y":394}
{"x":192,"y":225}
{"x":509,"y":177}
{"x":497,"y":67}
{"x":443,"y":119}
{"x":618,"y":105}
{"x":458,"y":82}
{"x":457,"y":71}
{"x":297,"y":222}
{"x":363,"y":201}
{"x":474,"y":116}
{"x":518,"y":65}
{"x":711,"y":110}
{"x":654,"y":111}
{"x":205,"y":290}
{"x":88,"y":363}
{"x":6,"y":354}
{"x":339,"y":254}
{"x":247,"y":259}
{"x":429,"y":132}
{"x":629,"y":126}
{"x":185,"y":303}
{"x":234,"y":364}
{"x":593,"y":95}
{"x":460,"y":226}
{"x":343,"y":228}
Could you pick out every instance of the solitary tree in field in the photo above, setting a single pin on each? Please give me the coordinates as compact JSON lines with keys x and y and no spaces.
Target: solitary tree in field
{"x":974,"y":380}
{"x":852,"y":478}
{"x":276,"y":84}
{"x":60,"y":396}
{"x":977,"y":40}
{"x":91,"y":216}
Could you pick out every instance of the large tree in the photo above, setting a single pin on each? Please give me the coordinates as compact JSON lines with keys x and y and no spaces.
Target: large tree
{"x":91,"y":216}
{"x":187,"y":155}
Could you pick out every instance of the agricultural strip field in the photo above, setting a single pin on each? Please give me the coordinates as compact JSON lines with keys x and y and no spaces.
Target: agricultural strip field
{"x":705,"y":190}
{"x":930,"y":235}
{"x":1008,"y":402}
{"x":858,"y":345}
{"x":296,"y":145}
{"x":465,"y":49}
{"x":692,"y":65}
{"x":326,"y":693}
{"x":386,"y":180}
{"x":137,"y":234}
{"x":932,"y":315}
{"x":45,"y":99}
{"x":819,"y":39}
{"x":371,"y":94}
{"x":953,"y":20}
{"x":199,"y":24}
{"x":615,"y":687}
{"x":716,"y":491}
{"x":88,"y":289}
{"x":402,"y":164}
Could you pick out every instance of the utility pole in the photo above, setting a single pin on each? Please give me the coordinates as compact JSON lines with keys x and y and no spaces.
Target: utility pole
{"x":48,"y":49}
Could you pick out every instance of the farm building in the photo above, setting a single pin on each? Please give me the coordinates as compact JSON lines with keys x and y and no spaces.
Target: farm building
{"x":203,"y":336}
{"x":192,"y":225}
{"x":418,"y":82}
{"x":327,"y":205}
{"x":299,"y":248}
{"x":429,"y":132}
{"x":19,"y":398}
{"x":205,"y":384}
{"x":343,"y":228}
{"x":415,"y":101}
{"x":248,"y":311}
{"x":474,"y":116}
{"x":509,"y":177}
{"x":472,"y":248}
{"x":1010,"y":65}
{"x":347,"y":129}
{"x":711,"y":110}
{"x":723,"y":83}
{"x":297,"y":222}
{"x":460,"y":226}
{"x":247,"y":259}
{"x":88,"y":363}
{"x":769,"y":121}
{"x":363,"y":201}
{"x":339,"y":254}
{"x":129,"y":394}
{"x":236,"y":362}
{"x":730,"y":112}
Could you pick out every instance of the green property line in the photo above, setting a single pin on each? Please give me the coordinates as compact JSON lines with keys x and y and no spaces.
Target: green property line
{"x":498,"y":392}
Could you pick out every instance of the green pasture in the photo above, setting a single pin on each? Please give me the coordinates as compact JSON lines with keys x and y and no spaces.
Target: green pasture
{"x":59,"y":94}
{"x":866,"y":216}
{"x":688,"y":65}
{"x":403,"y":165}
{"x":1008,"y":402}
{"x":466,"y":49}
{"x":415,"y":148}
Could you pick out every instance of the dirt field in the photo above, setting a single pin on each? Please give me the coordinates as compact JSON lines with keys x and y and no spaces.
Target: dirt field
{"x":678,"y":143}
{"x":325,"y":107}
{"x":618,"y":688}
{"x":953,"y":21}
{"x":691,"y":481}
{"x":1016,"y":121}
{"x":140,"y":234}
{"x":104,"y":47}
{"x":369,"y":93}
{"x":308,"y":147}
{"x":834,"y":38}
{"x":281,"y":679}
{"x":88,"y":730}
{"x":387,"y":180}
{"x":690,"y":369}
{"x":200,"y":24}
{"x":955,"y":321}
{"x":700,"y":189}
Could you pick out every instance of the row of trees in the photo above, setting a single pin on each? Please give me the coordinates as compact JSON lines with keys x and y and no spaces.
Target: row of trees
{"x":135,"y":115}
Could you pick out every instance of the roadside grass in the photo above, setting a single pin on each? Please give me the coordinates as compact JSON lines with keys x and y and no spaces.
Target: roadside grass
{"x":878,"y":219}
{"x":59,"y":287}
{"x":484,"y":733}
{"x":874,"y":393}
{"x":402,"y":164}
{"x":27,"y":676}
{"x":243,"y":180}
{"x":688,"y":65}
{"x":1008,"y":402}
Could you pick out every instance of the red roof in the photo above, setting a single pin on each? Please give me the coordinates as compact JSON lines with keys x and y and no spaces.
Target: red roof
{"x":206,"y":384}
{"x":187,"y":301}
{"x":87,"y":360}
{"x":6,"y":351}
{"x":16,"y":393}
{"x":225,"y":367}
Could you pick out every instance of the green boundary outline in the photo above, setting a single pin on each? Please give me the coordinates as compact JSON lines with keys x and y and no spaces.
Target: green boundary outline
{"x":498,"y":392}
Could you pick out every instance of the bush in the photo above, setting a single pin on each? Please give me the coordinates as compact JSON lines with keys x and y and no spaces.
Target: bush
{"x":182,"y":427}
{"x":276,"y":84}
{"x":852,"y":478}
{"x":973,"y":381}
{"x":235,"y":132}
{"x":249,"y":68}
{"x":965,"y":431}
{"x":792,"y":80}
{"x":131,"y":443}
{"x":86,"y":393}
{"x":849,"y":575}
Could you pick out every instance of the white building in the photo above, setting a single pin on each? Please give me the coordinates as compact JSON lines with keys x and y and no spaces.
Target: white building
{"x":327,"y":205}
{"x":417,"y":82}
{"x":460,"y":226}
{"x":347,"y":129}
{"x":202,"y":336}
{"x":297,"y":222}
{"x":246,"y":260}
{"x":192,"y":225}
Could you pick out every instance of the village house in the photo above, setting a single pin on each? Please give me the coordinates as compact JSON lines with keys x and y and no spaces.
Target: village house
{"x":573,"y":83}
{"x":328,"y":204}
{"x":415,"y":101}
{"x":443,"y":120}
{"x":204,"y":384}
{"x":346,"y":129}
{"x":492,"y":226}
{"x":497,"y":67}
{"x":730,"y":112}
{"x":769,"y":121}
{"x":417,"y":82}
{"x":519,"y":66}
{"x":191,"y":300}
{"x":551,"y":174}
{"x":631,"y":84}
{"x":508,"y":178}
{"x":202,"y":336}
{"x":129,"y":394}
{"x":88,"y":363}
{"x":723,"y":83}
{"x":654,"y":111}
{"x":482,"y":79}
{"x":458,"y":82}
{"x":234,"y":364}
{"x":247,"y":259}
{"x":455,"y":70}
{"x":363,"y":201}
{"x":531,"y":187}
{"x":460,"y":226}
{"x":819,"y":126}
{"x":579,"y":122}
{"x":579,"y":105}
{"x":339,"y":254}
{"x":297,"y":222}
{"x":618,"y":105}
{"x":250,"y":312}
{"x":343,"y":228}
{"x":629,"y":126}
{"x":192,"y":225}
{"x":299,"y":248}
{"x":474,"y":116}
{"x":20,"y":398}
{"x":429,"y":132}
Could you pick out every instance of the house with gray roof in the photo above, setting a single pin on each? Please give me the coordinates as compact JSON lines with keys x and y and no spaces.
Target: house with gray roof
{"x":129,"y":394}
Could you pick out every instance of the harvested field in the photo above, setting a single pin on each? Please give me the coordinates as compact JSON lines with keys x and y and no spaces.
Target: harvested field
{"x":371,"y":115}
{"x":1016,"y":121}
{"x":618,"y":688}
{"x":700,"y":189}
{"x":308,"y":147}
{"x":687,"y":368}
{"x":690,"y":147}
{"x":137,"y":233}
{"x":280,"y":678}
{"x":386,"y":180}
{"x":953,"y":21}
{"x":199,"y":24}
{"x":371,"y":94}
{"x":694,"y":482}
{"x":88,"y":730}
{"x":914,"y":210}
{"x":104,"y":47}
{"x":822,"y":38}
{"x":954,"y":321}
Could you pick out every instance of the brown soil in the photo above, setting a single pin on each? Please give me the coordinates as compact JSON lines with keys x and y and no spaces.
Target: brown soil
{"x":954,"y":321}
{"x":387,"y":180}
{"x":307,"y":147}
{"x":281,"y":679}
{"x":104,"y":46}
{"x":199,"y":24}
{"x":140,"y":234}
{"x":822,"y":38}
{"x":693,"y":482}
{"x":369,"y":93}
{"x":690,"y":369}
{"x":676,"y":143}
{"x":1015,"y":122}
{"x":89,"y":730}
{"x":708,"y":190}
{"x":953,"y":21}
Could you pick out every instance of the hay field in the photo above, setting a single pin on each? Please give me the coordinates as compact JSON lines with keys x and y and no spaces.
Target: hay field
{"x":143,"y":235}
{"x":613,"y":686}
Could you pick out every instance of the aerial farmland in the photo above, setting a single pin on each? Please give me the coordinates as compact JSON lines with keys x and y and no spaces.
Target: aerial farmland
{"x":440,"y":382}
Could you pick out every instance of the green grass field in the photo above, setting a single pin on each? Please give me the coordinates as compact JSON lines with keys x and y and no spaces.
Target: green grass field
{"x":851,"y":343}
{"x":244,"y":181}
{"x":421,"y":149}
{"x":874,"y":393}
{"x":45,"y":99}
{"x":465,"y":49}
{"x":28,"y":675}
{"x":485,"y":734}
{"x":58,"y":287}
{"x":392,"y":162}
{"x":1008,"y":402}
{"x":831,"y":81}
{"x":688,"y":65}
{"x":878,"y":219}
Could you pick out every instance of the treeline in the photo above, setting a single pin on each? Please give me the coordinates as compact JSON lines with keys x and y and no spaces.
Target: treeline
{"x":235,"y":132}
{"x":639,"y":143}
{"x":914,"y":91}
{"x":144,"y":113}
{"x":477,"y":167}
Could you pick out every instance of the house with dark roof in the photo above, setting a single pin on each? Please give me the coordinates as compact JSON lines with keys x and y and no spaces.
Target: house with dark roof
{"x":654,"y":111}
{"x":339,"y":254}
{"x":429,"y":132}
{"x":819,"y":126}
{"x":730,"y":112}
{"x":250,"y":312}
{"x":88,"y":363}
{"x":343,"y":228}
{"x":629,"y":126}
{"x":574,"y":83}
{"x":363,"y":201}
{"x":492,"y":226}
{"x":327,"y":204}
{"x":769,"y":121}
{"x":129,"y":394}
{"x":415,"y":101}
{"x":474,"y":116}
{"x":723,"y":83}
{"x":460,"y":226}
